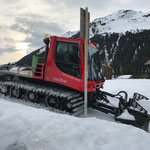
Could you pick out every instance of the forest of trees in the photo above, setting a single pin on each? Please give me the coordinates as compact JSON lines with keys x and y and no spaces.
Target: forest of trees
{"x":126,"y":53}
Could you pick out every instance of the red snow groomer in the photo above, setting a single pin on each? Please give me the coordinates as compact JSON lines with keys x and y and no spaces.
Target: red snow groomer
{"x":58,"y":83}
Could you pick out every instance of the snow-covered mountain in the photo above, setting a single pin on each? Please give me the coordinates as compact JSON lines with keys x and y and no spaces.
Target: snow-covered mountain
{"x":121,"y":22}
{"x":70,"y":34}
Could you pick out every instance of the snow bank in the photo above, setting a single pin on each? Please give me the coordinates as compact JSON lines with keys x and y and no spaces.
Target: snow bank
{"x":15,"y":69}
{"x":42,"y":130}
{"x":38,"y":129}
{"x":124,"y":77}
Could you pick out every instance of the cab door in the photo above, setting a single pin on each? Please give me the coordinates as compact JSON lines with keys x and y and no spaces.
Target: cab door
{"x":68,"y":59}
{"x":65,"y":65}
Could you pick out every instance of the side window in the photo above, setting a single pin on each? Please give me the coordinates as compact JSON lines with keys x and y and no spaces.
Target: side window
{"x":68,"y":53}
{"x":74,"y":53}
{"x":61,"y":50}
{"x":67,"y":58}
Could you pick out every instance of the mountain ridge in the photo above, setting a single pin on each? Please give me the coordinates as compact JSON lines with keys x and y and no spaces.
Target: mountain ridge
{"x":127,"y":20}
{"x":121,"y":22}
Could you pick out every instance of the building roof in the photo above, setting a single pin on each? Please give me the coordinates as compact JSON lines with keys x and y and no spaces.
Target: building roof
{"x":148,"y":62}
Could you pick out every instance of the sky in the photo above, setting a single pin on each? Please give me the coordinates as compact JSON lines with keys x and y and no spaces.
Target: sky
{"x":24,"y":23}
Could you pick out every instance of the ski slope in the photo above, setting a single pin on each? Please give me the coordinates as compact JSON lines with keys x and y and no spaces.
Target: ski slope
{"x":27,"y":128}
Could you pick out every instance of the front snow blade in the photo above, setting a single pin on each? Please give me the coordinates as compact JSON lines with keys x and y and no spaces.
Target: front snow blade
{"x":140,"y":117}
{"x":127,"y":111}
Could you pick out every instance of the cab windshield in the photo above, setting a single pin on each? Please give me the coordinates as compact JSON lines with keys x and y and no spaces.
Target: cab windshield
{"x":94,"y":65}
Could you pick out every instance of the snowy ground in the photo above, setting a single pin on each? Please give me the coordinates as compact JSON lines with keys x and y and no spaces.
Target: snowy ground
{"x":28,"y":128}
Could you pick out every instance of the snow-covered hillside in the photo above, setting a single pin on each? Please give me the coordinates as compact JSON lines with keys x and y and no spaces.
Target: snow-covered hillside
{"x":70,"y":34}
{"x":121,"y":22}
{"x":27,"y":128}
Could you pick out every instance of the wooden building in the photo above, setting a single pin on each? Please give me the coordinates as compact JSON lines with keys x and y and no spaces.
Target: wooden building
{"x":108,"y":71}
{"x":147,"y":68}
{"x":147,"y":65}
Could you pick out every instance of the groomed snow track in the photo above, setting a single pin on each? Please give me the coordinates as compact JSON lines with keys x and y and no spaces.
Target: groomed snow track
{"x":53,"y":99}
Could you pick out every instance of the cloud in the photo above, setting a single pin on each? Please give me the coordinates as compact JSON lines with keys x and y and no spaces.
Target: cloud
{"x":7,"y":44}
{"x":11,"y":57}
{"x":19,"y":28}
{"x":97,"y":8}
{"x":28,"y":25}
{"x":5,"y":50}
{"x":10,"y":1}
{"x":35,"y":29}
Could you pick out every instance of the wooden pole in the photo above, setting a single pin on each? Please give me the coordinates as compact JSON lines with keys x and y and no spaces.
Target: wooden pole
{"x":86,"y":63}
